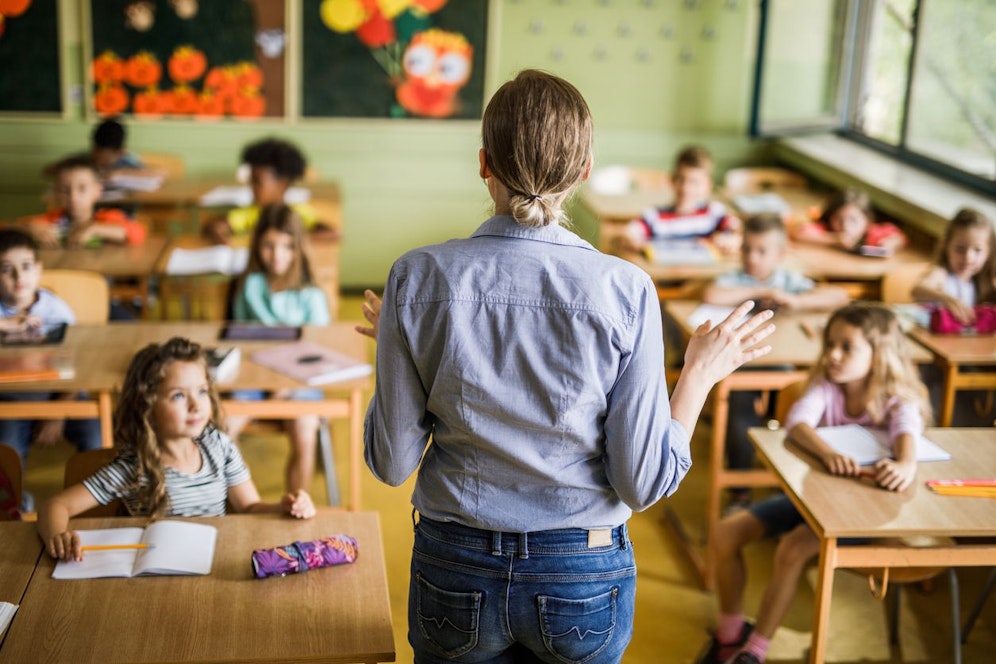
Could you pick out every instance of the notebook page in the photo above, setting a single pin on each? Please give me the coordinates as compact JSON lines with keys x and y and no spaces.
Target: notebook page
{"x":866,"y":446}
{"x":7,"y":611}
{"x":99,"y":564}
{"x":177,"y":547}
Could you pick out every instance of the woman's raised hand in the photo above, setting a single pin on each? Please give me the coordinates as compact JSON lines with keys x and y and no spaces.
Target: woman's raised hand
{"x":716,"y":351}
{"x":371,"y":311}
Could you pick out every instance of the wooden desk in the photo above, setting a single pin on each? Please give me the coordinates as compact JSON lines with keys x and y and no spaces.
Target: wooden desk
{"x":838,"y":507}
{"x":204,"y":296}
{"x":793,"y":352}
{"x":20,"y":550}
{"x":137,"y":262}
{"x":102,"y":354}
{"x":952,"y":352}
{"x":861,"y":276}
{"x":335,"y":614}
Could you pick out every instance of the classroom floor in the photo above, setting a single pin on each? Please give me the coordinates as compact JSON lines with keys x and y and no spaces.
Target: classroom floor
{"x":672,"y":613}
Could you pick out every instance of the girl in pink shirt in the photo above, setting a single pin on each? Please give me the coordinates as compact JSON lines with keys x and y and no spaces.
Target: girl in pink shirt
{"x":864,"y":376}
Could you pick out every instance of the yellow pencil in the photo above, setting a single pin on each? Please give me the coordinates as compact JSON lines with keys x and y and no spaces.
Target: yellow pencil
{"x":112,"y":547}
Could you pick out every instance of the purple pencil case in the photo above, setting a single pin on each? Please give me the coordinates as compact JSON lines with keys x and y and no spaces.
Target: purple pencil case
{"x":302,"y":556}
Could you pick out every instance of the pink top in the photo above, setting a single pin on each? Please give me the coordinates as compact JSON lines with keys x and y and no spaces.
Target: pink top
{"x":823,"y":406}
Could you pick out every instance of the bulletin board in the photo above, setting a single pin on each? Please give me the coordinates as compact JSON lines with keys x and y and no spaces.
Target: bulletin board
{"x":402,"y":59}
{"x":30,"y":72}
{"x":203,"y":59}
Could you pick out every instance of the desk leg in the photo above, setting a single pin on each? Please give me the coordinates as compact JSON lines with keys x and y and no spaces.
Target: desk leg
{"x":950,"y":389}
{"x":355,"y":447}
{"x":824,"y":591}
{"x":106,"y":414}
{"x":717,"y":466}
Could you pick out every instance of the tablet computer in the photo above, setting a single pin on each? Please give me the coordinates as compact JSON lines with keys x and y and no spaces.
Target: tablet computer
{"x":46,"y":335}
{"x":257,"y":332}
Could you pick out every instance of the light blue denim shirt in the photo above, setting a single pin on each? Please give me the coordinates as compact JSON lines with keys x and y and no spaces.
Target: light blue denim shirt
{"x":536,"y":365}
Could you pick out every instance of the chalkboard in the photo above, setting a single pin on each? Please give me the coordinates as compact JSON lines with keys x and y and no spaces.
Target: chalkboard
{"x":187,"y":58}
{"x":426,"y":60}
{"x":30,"y":78}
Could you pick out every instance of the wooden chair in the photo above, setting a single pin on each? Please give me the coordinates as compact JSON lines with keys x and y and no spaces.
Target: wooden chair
{"x":10,"y":466}
{"x":172,"y":165}
{"x":879,"y":578}
{"x":84,"y":464}
{"x":86,"y":293}
{"x":752,"y":180}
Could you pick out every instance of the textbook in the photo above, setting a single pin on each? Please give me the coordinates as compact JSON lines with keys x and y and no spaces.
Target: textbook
{"x":866,"y":446}
{"x":219,"y":258}
{"x":241,"y":196}
{"x":132,"y":181}
{"x":37,"y":365}
{"x":311,"y":363}
{"x":670,"y":251}
{"x":163,"y":548}
{"x":223,"y":363}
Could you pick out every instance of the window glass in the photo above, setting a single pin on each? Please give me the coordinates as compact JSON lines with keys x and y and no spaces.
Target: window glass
{"x":883,"y":90}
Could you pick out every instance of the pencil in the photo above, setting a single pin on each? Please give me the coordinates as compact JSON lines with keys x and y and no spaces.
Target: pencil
{"x":112,"y":547}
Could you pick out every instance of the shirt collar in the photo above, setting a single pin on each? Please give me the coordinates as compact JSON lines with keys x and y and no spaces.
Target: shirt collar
{"x":506,"y":226}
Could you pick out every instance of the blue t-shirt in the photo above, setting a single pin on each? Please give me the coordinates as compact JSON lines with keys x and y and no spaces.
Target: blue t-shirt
{"x":784,"y":280}
{"x":48,"y":306}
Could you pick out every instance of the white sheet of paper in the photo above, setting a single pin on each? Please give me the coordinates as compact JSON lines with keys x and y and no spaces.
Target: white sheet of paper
{"x":207,"y":260}
{"x":7,"y":611}
{"x":98,"y":564}
{"x":177,"y":547}
{"x":241,"y":196}
{"x":866,"y":446}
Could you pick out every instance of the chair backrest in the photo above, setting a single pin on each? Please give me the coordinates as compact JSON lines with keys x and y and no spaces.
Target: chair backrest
{"x":172,"y":165}
{"x":86,"y":293}
{"x":744,"y":180}
{"x":10,"y":467}
{"x":787,"y":397}
{"x":84,"y":464}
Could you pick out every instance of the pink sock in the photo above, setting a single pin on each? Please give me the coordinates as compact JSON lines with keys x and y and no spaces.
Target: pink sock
{"x":730,"y":626}
{"x":757,"y":645}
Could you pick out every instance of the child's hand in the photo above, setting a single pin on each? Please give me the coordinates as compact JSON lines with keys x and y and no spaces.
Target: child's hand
{"x":784,"y":300}
{"x":78,"y":237}
{"x":49,"y":432}
{"x":371,"y":311}
{"x":841,"y":464}
{"x":20,"y":323}
{"x":47,"y":235}
{"x":894,"y":475}
{"x":65,"y":546}
{"x":727,"y":242}
{"x":963,"y":313}
{"x":298,"y":504}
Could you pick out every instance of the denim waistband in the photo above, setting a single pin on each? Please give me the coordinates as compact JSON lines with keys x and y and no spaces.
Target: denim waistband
{"x":565,"y":540}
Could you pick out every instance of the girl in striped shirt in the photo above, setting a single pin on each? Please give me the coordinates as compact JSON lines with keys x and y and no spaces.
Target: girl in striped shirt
{"x":173,"y":461}
{"x":864,"y":376}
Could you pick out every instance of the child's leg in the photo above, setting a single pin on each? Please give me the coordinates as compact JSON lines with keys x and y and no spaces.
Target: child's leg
{"x":17,"y":434}
{"x":84,"y":434}
{"x":729,"y":538}
{"x":303,"y":433}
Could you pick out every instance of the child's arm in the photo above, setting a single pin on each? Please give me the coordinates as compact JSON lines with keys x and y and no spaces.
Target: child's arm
{"x":931,"y":289}
{"x":217,"y":230}
{"x":53,"y":522}
{"x":731,"y":296}
{"x":823,"y":298}
{"x":46,"y":234}
{"x":19,"y":323}
{"x":838,"y":464}
{"x":107,"y":232}
{"x":244,"y":497}
{"x":899,"y":474}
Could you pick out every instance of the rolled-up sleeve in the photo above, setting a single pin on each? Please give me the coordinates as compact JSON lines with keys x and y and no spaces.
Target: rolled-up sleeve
{"x":647,"y":452}
{"x":397,"y":425}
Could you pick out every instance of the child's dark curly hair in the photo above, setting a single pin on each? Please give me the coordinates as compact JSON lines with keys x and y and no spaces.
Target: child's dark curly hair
{"x":281,"y":156}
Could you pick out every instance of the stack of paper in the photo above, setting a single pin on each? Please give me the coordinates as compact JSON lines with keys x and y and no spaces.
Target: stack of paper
{"x":220,"y":258}
{"x":241,"y":196}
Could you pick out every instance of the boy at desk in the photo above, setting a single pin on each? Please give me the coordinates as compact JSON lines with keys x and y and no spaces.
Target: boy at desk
{"x":24,"y":308}
{"x":77,"y":222}
{"x":761,"y":279}
{"x":274,"y":166}
{"x":693,"y":214}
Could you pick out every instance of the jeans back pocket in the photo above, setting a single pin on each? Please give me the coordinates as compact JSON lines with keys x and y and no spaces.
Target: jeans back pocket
{"x":447,"y":620}
{"x":577,"y":630}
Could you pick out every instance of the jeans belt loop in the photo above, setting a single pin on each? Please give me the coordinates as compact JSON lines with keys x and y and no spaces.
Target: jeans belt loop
{"x":523,"y":546}
{"x":495,"y":543}
{"x":624,"y":537}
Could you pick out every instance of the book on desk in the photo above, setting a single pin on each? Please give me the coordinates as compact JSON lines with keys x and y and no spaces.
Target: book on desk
{"x":163,"y":548}
{"x":220,"y":259}
{"x":311,"y":363}
{"x":866,"y":446}
{"x":37,"y":365}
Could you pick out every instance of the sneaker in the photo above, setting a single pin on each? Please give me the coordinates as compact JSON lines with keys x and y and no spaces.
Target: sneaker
{"x":746,"y":658}
{"x":714,"y":647}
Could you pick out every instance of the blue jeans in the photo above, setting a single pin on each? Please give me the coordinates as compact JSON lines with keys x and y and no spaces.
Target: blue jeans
{"x":83,"y":434}
{"x":482,"y":596}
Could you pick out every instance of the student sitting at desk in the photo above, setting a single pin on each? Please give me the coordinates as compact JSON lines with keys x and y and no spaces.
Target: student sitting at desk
{"x":274,"y":166}
{"x":24,"y":307}
{"x":77,"y":222}
{"x":865,"y":376}
{"x":107,"y":151}
{"x":848,"y":222}
{"x":693,"y":214}
{"x":174,"y":460}
{"x":771,"y":287}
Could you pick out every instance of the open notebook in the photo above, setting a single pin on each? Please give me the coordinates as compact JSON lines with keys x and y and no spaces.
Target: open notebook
{"x":175,"y":548}
{"x":866,"y":446}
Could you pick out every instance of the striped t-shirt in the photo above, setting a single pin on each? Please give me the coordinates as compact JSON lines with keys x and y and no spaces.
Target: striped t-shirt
{"x":196,"y":494}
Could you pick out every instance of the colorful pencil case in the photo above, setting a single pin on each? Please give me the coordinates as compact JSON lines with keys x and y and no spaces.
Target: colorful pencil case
{"x":302,"y":556}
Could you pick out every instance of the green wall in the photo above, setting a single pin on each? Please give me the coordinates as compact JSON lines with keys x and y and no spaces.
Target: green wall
{"x":656,"y":74}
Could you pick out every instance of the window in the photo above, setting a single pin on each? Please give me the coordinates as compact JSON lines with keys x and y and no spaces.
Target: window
{"x":915,"y":78}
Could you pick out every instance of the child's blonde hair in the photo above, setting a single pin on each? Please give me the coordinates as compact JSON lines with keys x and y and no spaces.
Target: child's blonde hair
{"x":134,"y":433}
{"x":282,"y":218}
{"x":537,"y":135}
{"x":985,"y":279}
{"x":892,"y":372}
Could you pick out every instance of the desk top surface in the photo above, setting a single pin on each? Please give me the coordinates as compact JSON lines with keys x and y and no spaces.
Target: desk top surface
{"x":110,"y":260}
{"x":101,"y":354}
{"x":851,"y":507}
{"x":187,"y":191}
{"x":335,"y":614}
{"x":960,"y":349}
{"x":20,"y":549}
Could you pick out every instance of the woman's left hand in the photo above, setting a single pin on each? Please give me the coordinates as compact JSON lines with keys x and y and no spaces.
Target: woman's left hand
{"x":894,"y":475}
{"x":371,"y":311}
